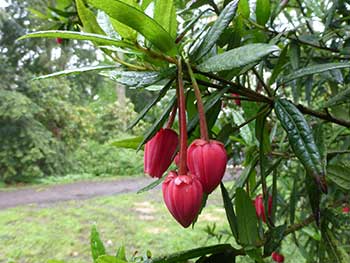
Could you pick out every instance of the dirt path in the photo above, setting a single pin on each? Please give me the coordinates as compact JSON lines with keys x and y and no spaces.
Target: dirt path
{"x":73,"y":191}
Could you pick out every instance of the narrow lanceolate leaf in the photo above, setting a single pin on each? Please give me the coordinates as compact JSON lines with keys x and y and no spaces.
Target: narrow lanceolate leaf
{"x":97,"y":247}
{"x":339,"y":174}
{"x":208,"y":105}
{"x":216,"y":30}
{"x":314,"y":195}
{"x":151,"y":185}
{"x":238,"y":57}
{"x":262,"y":11}
{"x":136,"y":19}
{"x":230,"y":213}
{"x":246,"y":218}
{"x":314,"y":69}
{"x":128,"y":143}
{"x":273,"y":238}
{"x":88,"y":19}
{"x":340,"y":98}
{"x":301,"y":139}
{"x":136,"y":79}
{"x":281,"y":62}
{"x":74,"y":71}
{"x":100,"y":39}
{"x":183,"y":256}
{"x":144,"y":111}
{"x":165,"y":15}
{"x":248,"y":170}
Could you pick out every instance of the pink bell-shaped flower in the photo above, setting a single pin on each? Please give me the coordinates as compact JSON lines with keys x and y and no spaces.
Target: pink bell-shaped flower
{"x":59,"y":40}
{"x":182,"y":195}
{"x":159,"y":152}
{"x":260,"y":208}
{"x":237,"y":101}
{"x":277,"y":257}
{"x":207,"y":161}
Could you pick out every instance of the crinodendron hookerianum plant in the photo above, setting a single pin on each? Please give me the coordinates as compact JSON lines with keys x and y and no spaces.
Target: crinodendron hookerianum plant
{"x":270,"y":89}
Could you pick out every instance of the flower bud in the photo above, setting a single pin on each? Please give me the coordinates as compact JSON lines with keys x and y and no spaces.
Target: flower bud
{"x":59,"y":40}
{"x":260,"y":208}
{"x":182,"y":195}
{"x":159,"y":152}
{"x":277,"y":257}
{"x":207,"y":161}
{"x":237,"y":101}
{"x":346,"y":209}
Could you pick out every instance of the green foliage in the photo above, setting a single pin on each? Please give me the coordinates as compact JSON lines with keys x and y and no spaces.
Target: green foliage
{"x":234,"y":52}
{"x":105,"y":160}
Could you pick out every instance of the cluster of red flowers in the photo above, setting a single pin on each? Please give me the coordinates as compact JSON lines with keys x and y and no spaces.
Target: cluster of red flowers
{"x":201,"y":166}
{"x":206,"y":162}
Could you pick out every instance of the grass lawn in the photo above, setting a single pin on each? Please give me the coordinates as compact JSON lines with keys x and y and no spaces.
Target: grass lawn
{"x":61,"y":231}
{"x":34,"y":234}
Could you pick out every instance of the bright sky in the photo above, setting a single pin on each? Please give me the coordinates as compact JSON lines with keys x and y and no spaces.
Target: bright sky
{"x":3,"y":3}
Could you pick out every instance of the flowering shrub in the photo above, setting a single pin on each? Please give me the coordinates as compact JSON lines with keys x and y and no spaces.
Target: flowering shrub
{"x":291,"y":125}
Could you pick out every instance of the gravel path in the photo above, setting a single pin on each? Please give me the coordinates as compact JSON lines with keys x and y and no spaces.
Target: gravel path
{"x":73,"y":191}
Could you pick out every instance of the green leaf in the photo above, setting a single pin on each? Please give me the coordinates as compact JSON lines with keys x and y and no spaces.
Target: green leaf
{"x":129,"y":143}
{"x":193,"y":253}
{"x":262,"y":11}
{"x":230,"y":213}
{"x":151,"y":185}
{"x":158,"y":123}
{"x":109,"y":259}
{"x":281,"y":62}
{"x":97,"y":247}
{"x":301,"y":139}
{"x":88,"y":19}
{"x":293,"y":200}
{"x":144,"y":111}
{"x":243,"y":177}
{"x":314,"y":69}
{"x":139,"y":21}
{"x":125,"y":31}
{"x":238,"y":57}
{"x":208,"y":105}
{"x":340,"y":98}
{"x":243,"y":8}
{"x":100,"y":39}
{"x":274,"y":236}
{"x":339,"y":174}
{"x":137,"y":79}
{"x":165,"y":15}
{"x":121,"y":253}
{"x":245,"y":131}
{"x":73,"y":71}
{"x":216,"y":30}
{"x":246,"y":219}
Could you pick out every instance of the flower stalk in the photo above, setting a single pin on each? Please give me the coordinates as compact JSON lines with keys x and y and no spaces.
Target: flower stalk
{"x":201,"y":112}
{"x":182,"y":121}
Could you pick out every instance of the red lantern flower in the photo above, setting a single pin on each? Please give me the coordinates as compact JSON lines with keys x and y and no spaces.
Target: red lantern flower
{"x":159,"y":152}
{"x":277,"y":257}
{"x":260,"y":208}
{"x":346,"y":209}
{"x":59,"y":40}
{"x":207,"y":161}
{"x":182,"y":195}
{"x":237,"y":101}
